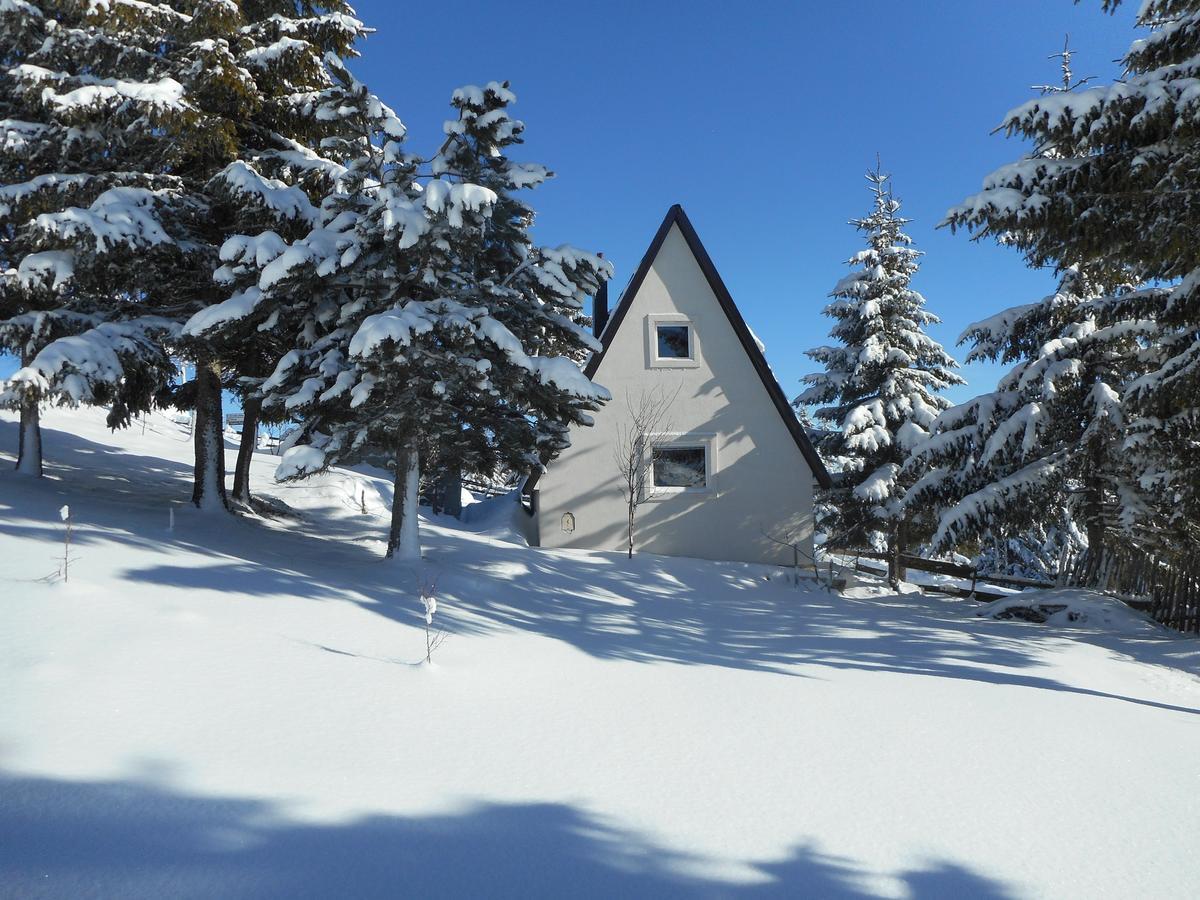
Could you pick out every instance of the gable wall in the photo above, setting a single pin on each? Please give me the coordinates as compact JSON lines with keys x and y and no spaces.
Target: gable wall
{"x":761,"y":480}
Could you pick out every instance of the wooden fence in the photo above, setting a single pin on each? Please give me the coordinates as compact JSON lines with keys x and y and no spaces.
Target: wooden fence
{"x":954,"y":570}
{"x":1169,"y":590}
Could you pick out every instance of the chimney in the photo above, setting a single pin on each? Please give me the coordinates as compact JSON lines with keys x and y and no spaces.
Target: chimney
{"x":600,"y":309}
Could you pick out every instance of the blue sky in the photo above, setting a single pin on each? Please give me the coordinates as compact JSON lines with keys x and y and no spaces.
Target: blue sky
{"x":760,"y":118}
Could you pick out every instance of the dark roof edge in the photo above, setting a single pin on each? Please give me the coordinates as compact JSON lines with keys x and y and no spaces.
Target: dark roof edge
{"x":617,"y":315}
{"x":676,"y":216}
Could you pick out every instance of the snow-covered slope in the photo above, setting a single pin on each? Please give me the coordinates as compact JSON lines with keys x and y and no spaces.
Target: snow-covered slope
{"x":233,"y":708}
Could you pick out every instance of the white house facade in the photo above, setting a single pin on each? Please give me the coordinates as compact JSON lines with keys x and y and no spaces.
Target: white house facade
{"x":728,"y":471}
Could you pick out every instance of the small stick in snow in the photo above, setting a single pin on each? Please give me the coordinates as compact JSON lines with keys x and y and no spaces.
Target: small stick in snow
{"x":65,"y":515}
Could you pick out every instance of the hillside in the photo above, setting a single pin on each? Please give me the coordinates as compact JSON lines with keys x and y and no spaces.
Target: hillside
{"x":236,"y":707}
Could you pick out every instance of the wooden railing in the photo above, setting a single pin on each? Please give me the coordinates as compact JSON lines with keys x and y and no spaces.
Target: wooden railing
{"x":954,"y":570}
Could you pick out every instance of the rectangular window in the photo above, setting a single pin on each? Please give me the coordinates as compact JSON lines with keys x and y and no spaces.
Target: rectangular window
{"x":680,"y":467}
{"x":674,"y":341}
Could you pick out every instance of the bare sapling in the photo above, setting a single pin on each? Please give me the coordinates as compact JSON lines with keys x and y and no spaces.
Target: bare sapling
{"x":793,"y":544}
{"x":645,"y":422}
{"x":433,"y":639}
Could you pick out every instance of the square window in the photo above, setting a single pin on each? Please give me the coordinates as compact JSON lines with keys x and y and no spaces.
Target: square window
{"x":680,"y":467}
{"x":674,"y":341}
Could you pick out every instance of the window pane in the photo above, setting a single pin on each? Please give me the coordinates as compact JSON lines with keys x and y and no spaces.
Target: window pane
{"x":679,"y":467}
{"x":673,"y":342}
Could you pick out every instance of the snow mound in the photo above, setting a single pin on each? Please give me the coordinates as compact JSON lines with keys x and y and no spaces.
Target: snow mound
{"x":1071,"y":607}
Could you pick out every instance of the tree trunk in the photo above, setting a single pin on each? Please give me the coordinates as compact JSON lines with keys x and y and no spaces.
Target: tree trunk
{"x":897,"y":572}
{"x":632,"y":510}
{"x":404,"y":540}
{"x":29,"y":450}
{"x":251,"y":411}
{"x":447,"y":493}
{"x":1093,"y":517}
{"x":208,"y":487}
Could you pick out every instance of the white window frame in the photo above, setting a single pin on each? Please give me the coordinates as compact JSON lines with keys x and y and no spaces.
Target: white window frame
{"x":680,"y":439}
{"x":691,"y":361}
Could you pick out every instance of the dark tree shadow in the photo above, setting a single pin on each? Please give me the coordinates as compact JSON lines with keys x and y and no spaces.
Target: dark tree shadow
{"x":647,"y":609}
{"x":125,"y":839}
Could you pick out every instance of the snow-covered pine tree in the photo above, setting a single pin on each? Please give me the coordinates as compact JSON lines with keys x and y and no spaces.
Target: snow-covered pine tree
{"x":537,"y":293}
{"x":95,"y":218}
{"x":137,"y":136}
{"x":395,"y":302}
{"x":288,"y":156}
{"x":1050,"y":440}
{"x":881,"y":386}
{"x":282,"y":51}
{"x":1107,"y":189}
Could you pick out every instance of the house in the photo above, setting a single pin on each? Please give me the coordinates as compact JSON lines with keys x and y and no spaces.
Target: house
{"x":726,"y":470}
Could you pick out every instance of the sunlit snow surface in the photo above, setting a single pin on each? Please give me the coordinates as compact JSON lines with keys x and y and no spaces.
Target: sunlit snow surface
{"x":233,"y":708}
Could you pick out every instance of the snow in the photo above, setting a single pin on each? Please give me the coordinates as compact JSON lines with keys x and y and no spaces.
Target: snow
{"x":72,"y":366}
{"x":456,"y":198}
{"x":265,"y":57}
{"x":233,"y":708}
{"x":300,"y":460}
{"x":55,"y":266}
{"x":565,"y":374}
{"x":398,"y":325}
{"x":879,"y":485}
{"x":474,"y":95}
{"x":55,"y":181}
{"x":166,"y":93}
{"x":122,"y":215}
{"x":19,"y":137}
{"x":19,"y":6}
{"x":239,"y":305}
{"x":1072,"y":608}
{"x":242,"y":181}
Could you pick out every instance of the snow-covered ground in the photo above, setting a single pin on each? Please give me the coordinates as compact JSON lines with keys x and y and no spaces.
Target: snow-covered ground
{"x":233,"y":708}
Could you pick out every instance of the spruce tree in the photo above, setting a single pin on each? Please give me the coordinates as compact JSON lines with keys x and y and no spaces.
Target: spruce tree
{"x":421,"y":316}
{"x":881,"y":386}
{"x":96,"y":221}
{"x":288,"y":157}
{"x":138,"y":137}
{"x":1107,"y":190}
{"x":1051,"y":441}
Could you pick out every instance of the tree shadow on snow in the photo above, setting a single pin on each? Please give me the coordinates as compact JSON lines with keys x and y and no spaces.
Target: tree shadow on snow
{"x":659,"y":610}
{"x":131,"y":840}
{"x":646,"y":609}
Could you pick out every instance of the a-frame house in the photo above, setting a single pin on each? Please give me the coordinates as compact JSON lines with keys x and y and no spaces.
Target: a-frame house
{"x":728,"y":470}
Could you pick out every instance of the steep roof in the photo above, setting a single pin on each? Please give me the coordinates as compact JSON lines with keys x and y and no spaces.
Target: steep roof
{"x":676,"y":216}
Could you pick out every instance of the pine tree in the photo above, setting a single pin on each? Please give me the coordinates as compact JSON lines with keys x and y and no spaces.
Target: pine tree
{"x":287,"y":158}
{"x":420,"y":315}
{"x":138,"y":137}
{"x":881,"y":386}
{"x":537,"y":293}
{"x":1107,"y":190}
{"x":1051,"y":439}
{"x":95,"y":221}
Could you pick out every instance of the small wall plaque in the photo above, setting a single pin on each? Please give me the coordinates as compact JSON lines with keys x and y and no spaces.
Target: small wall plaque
{"x":568,"y":522}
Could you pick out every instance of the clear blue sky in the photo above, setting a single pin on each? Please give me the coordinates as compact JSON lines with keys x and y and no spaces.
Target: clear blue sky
{"x":760,"y":118}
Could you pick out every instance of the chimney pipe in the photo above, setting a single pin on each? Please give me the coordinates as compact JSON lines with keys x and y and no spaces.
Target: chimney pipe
{"x":600,"y":309}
